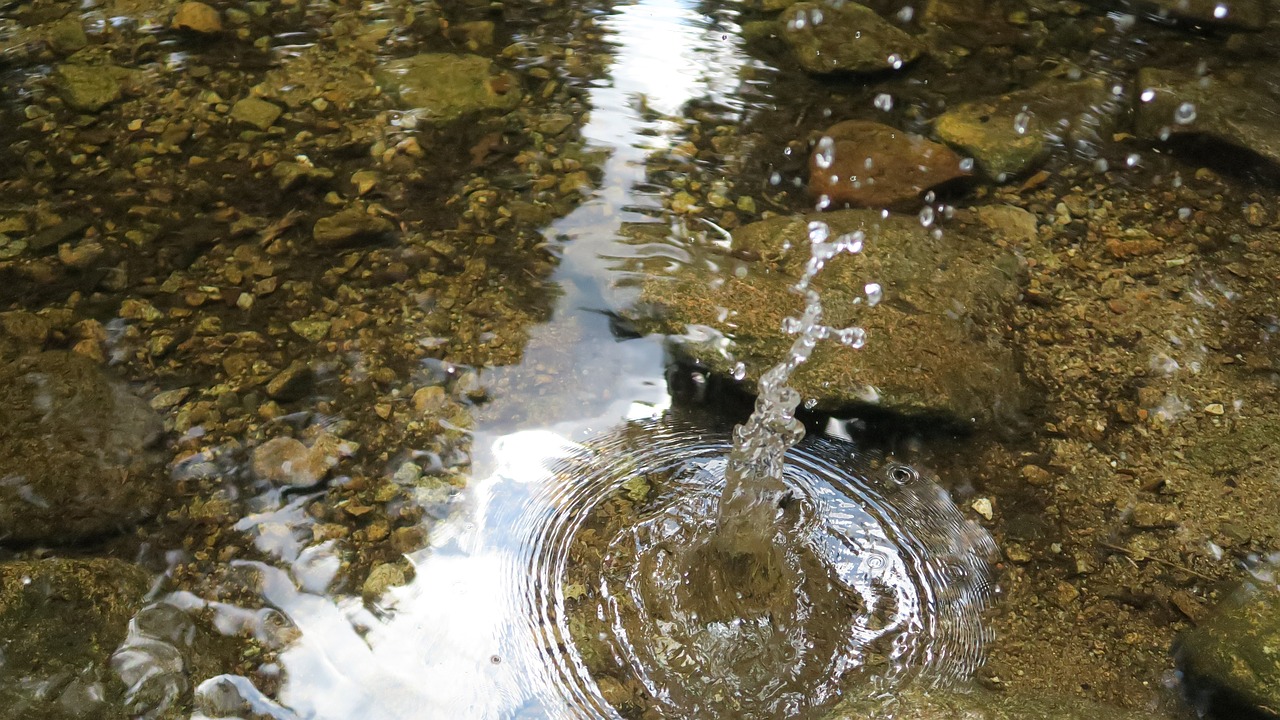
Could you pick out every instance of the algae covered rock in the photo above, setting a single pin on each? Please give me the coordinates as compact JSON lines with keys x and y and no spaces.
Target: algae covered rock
{"x":88,"y":88}
{"x":60,"y":622}
{"x":934,"y":345}
{"x":256,"y":112}
{"x":1011,"y":134}
{"x":1231,"y":659}
{"x":845,"y":37}
{"x":1242,"y":113}
{"x":75,"y":451}
{"x":868,"y":164}
{"x":447,"y":87}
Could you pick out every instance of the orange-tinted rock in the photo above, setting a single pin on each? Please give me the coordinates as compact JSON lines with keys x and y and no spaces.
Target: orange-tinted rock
{"x":197,"y":17}
{"x":866,"y":164}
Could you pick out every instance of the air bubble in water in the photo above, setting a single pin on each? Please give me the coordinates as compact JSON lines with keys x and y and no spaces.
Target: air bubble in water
{"x":1184,"y":214}
{"x":1101,"y":165}
{"x":775,"y":178}
{"x":850,"y":242}
{"x":1185,"y":114}
{"x":906,"y":13}
{"x":791,"y":325}
{"x":1133,"y":159}
{"x":966,"y":165}
{"x":1147,"y":95}
{"x":926,"y":215}
{"x":884,"y":101}
{"x":1021,"y":122}
{"x":854,"y":337}
{"x":895,"y":61}
{"x":874,"y":293}
{"x":825,"y":152}
{"x":739,"y":371}
{"x":1220,"y":11}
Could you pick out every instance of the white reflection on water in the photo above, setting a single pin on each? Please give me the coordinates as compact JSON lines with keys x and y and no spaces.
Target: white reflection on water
{"x":457,"y":641}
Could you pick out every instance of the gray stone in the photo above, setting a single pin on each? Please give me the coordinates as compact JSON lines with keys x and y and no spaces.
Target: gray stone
{"x":446,"y":87}
{"x":845,"y":37}
{"x":88,"y":88}
{"x":1232,"y":656}
{"x":1011,"y":134}
{"x":917,"y":704}
{"x":1235,"y":110}
{"x":350,"y":226}
{"x":75,"y":451}
{"x":60,"y":621}
{"x":933,"y":346}
{"x":256,"y":112}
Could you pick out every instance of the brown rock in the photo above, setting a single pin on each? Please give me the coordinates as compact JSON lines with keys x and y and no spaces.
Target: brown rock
{"x":866,"y":164}
{"x":197,"y":17}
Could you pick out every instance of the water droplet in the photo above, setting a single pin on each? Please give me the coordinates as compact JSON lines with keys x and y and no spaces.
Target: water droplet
{"x":874,"y":293}
{"x":1021,"y":122}
{"x":818,"y":232}
{"x":811,"y":403}
{"x":815,"y":16}
{"x":966,"y":165}
{"x":775,"y":178}
{"x":884,"y":101}
{"x":906,"y":13}
{"x":930,"y":196}
{"x":1220,"y":11}
{"x":1133,"y":159}
{"x":739,"y":371}
{"x":1147,"y":95}
{"x":1185,"y":114}
{"x":895,"y":61}
{"x":854,"y":337}
{"x":791,"y":325}
{"x":926,"y":215}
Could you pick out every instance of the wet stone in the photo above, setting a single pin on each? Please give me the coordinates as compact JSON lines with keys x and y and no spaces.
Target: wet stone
{"x":846,"y":37}
{"x":75,"y":451}
{"x":867,"y":164}
{"x":1234,"y":14}
{"x":351,"y":226}
{"x":446,"y":87}
{"x":1230,"y":659}
{"x":1012,"y":134}
{"x":67,"y":36}
{"x":256,"y":112}
{"x":917,"y":704}
{"x":88,"y":88}
{"x":931,"y":345}
{"x":1237,"y":111}
{"x":292,"y":174}
{"x":291,"y":383}
{"x":60,"y":621}
{"x":197,"y":17}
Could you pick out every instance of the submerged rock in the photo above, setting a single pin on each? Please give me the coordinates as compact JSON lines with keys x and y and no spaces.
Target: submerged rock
{"x":1171,"y":103}
{"x":60,"y":621}
{"x":197,"y":17}
{"x":88,"y":88}
{"x":845,"y":37}
{"x":74,"y":451}
{"x":1230,"y":660}
{"x":1231,"y":14}
{"x":934,"y":345}
{"x":350,"y":226}
{"x":256,"y":112}
{"x":867,"y":164}
{"x":1011,"y":134}
{"x":446,"y":87}
{"x":916,"y":704}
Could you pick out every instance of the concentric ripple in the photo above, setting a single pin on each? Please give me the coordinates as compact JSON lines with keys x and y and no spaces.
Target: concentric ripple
{"x":890,"y":582}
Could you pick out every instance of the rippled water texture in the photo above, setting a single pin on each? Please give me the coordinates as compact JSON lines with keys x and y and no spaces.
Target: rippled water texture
{"x":893,"y":581}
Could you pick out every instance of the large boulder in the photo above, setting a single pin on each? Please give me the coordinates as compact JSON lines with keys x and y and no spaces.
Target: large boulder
{"x":845,"y":37}
{"x":76,"y":457}
{"x":1011,"y":134}
{"x":1235,"y":110}
{"x":60,"y":622}
{"x":934,"y":344}
{"x":446,"y":87}
{"x":1231,"y":660}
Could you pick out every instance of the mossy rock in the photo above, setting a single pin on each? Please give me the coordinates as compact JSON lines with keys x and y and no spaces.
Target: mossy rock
{"x":1240,"y":113}
{"x":915,"y":704}
{"x":934,"y":345}
{"x":1231,"y":659}
{"x":845,"y":38}
{"x":76,"y":452}
{"x":447,"y":87}
{"x":60,"y":622}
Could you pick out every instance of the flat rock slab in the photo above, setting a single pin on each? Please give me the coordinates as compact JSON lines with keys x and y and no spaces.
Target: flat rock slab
{"x":845,"y":38}
{"x":868,"y":164}
{"x":447,"y":87}
{"x":1231,"y":657}
{"x":934,"y":345}
{"x":75,"y":457}
{"x":1011,"y":134}
{"x":915,"y":704}
{"x":1240,"y":113}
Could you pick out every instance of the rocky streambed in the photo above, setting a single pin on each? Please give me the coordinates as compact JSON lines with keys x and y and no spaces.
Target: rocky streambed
{"x":270,"y":268}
